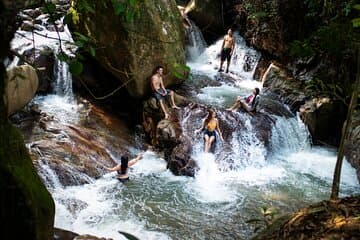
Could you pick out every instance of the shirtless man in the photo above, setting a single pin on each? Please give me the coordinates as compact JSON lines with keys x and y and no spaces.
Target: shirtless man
{"x":227,"y":49}
{"x":159,"y":90}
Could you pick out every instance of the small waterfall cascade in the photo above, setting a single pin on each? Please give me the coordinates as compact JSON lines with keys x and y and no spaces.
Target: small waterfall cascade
{"x":43,"y":39}
{"x":196,"y":44}
{"x":61,"y":103}
{"x":63,"y":84}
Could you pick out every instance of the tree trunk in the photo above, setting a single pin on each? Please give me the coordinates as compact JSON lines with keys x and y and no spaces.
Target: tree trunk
{"x":345,"y":134}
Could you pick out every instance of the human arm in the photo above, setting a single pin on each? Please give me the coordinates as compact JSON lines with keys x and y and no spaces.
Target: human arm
{"x":116,"y":168}
{"x":200,"y":129}
{"x":163,"y":87}
{"x":136,"y":159}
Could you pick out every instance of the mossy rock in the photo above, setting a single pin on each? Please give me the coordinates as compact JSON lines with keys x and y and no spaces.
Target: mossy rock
{"x":26,"y":206}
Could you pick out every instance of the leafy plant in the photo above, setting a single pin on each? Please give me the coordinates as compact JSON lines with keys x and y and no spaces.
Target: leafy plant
{"x":180,"y":71}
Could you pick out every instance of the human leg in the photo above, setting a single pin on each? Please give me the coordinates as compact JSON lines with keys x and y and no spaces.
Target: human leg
{"x":222,"y":59}
{"x":162,"y":105}
{"x":211,"y":140}
{"x":221,"y":64}
{"x":235,"y":106}
{"x":173,"y":105}
{"x":228,"y":60}
{"x":206,"y":143}
{"x":245,"y":106}
{"x":227,"y":66}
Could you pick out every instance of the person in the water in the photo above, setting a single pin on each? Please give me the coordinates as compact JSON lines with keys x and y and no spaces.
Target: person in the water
{"x":248,"y":103}
{"x":123,"y":167}
{"x":227,"y":49}
{"x":210,"y":127}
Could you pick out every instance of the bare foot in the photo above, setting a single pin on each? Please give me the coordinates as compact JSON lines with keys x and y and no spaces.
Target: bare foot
{"x":228,"y":109}
{"x":167,"y":116}
{"x":175,"y":107}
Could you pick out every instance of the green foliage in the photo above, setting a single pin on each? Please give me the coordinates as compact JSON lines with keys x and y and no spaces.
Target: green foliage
{"x":76,"y":67}
{"x":259,"y":11}
{"x":356,"y":21}
{"x":336,"y":32}
{"x":128,"y":10}
{"x":301,"y":48}
{"x":180,"y":71}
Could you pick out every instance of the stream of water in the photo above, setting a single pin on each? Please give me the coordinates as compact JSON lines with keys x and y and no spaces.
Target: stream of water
{"x":215,"y":204}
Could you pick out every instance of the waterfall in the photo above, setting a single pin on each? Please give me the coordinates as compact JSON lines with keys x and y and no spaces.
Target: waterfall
{"x":231,"y":184}
{"x":44,"y":39}
{"x":63,"y":81}
{"x":196,"y":44}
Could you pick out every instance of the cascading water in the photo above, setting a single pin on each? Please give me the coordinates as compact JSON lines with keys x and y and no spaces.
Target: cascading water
{"x":196,"y":44}
{"x":230,"y":186}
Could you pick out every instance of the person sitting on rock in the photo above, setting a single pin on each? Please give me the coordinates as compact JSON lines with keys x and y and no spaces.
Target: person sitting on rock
{"x":210,"y":125}
{"x":248,"y":103}
{"x":123,"y":167}
{"x":160,"y":92}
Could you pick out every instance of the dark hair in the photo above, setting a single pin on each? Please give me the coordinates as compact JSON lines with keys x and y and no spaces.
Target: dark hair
{"x":157,"y":68}
{"x":209,"y":116}
{"x":124,"y":164}
{"x":257,"y":90}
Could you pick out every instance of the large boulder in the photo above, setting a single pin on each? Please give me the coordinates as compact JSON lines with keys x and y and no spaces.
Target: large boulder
{"x":20,"y":87}
{"x":289,"y":89}
{"x":352,"y":150}
{"x":322,"y":114}
{"x":324,"y":118}
{"x":43,"y":59}
{"x":130,"y":49}
{"x":27,"y":209}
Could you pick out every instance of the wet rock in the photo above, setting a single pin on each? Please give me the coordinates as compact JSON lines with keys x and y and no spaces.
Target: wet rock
{"x":178,"y":140}
{"x":76,"y":154}
{"x":180,"y":162}
{"x":289,"y":89}
{"x":33,"y":13}
{"x":352,"y":150}
{"x":324,"y":118}
{"x":61,"y":234}
{"x":43,"y":59}
{"x":21,"y":85}
{"x":130,"y":56}
{"x":323,"y":115}
{"x":27,"y":26}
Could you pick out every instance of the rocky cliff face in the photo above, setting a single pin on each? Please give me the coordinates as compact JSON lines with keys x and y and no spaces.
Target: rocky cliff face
{"x":26,"y":207}
{"x":130,"y":49}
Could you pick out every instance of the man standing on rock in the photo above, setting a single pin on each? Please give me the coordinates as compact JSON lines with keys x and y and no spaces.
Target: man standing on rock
{"x":159,"y":90}
{"x":227,"y":49}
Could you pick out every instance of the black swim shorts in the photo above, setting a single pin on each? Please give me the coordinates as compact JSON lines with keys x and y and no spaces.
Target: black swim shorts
{"x":210,"y":133}
{"x":158,"y":96}
{"x":225,"y":54}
